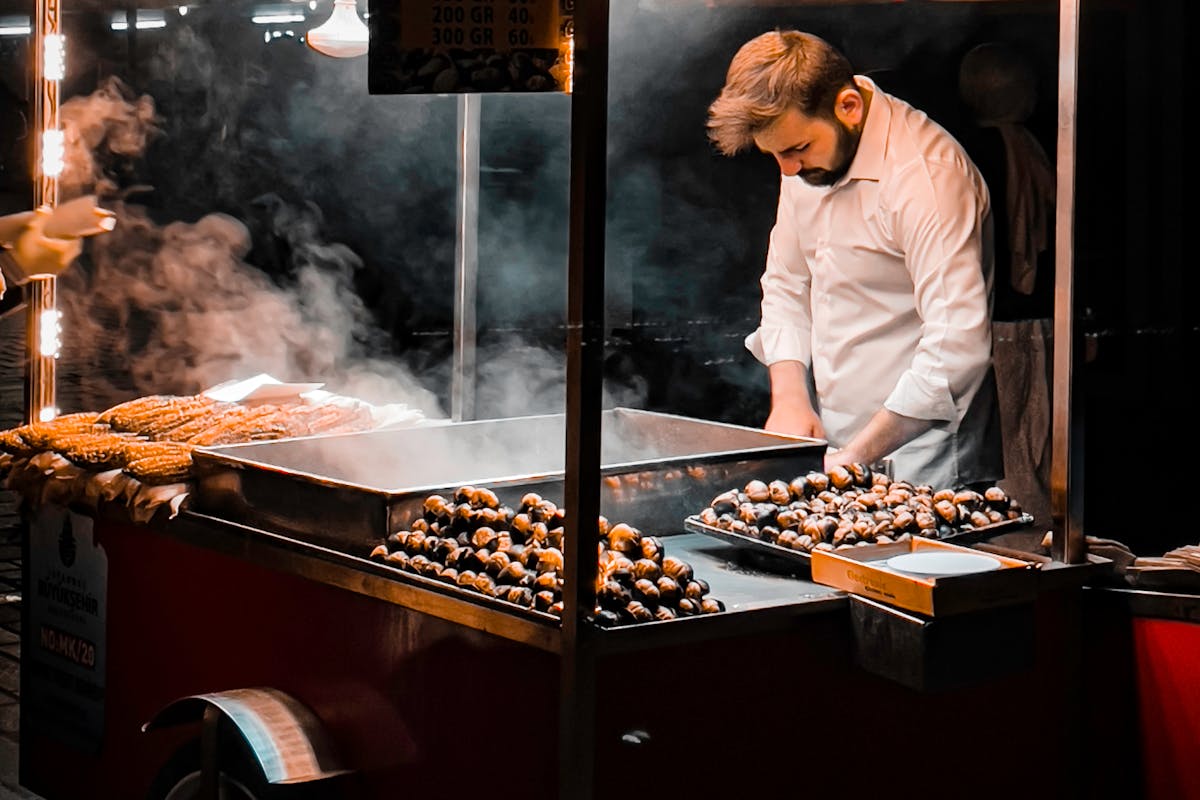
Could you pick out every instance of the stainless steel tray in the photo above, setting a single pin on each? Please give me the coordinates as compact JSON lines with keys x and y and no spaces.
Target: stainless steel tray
{"x":349,"y":491}
{"x":802,"y":557}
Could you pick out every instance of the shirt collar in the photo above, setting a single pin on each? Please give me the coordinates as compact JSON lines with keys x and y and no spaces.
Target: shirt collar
{"x":872,"y":147}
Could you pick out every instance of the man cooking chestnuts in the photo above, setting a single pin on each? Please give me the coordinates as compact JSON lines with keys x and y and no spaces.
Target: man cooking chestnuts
{"x":876,"y":297}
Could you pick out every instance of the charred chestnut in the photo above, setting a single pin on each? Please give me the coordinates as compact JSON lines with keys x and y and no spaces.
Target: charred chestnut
{"x":497,"y":563}
{"x":725,"y":503}
{"x":652,"y":548}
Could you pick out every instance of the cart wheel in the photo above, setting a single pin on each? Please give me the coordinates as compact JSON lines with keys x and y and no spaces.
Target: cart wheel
{"x":181,"y":778}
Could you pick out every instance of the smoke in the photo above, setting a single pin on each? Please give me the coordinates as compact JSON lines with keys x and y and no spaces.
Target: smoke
{"x":175,"y":308}
{"x":99,"y":127}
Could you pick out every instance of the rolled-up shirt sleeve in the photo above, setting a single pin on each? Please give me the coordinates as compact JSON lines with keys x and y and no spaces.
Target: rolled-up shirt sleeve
{"x":785,"y":330}
{"x":942,"y":221}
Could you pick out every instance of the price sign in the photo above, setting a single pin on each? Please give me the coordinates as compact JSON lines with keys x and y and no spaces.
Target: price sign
{"x":454,"y":46}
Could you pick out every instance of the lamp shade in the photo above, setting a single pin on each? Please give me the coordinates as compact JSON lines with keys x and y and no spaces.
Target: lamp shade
{"x":343,"y":35}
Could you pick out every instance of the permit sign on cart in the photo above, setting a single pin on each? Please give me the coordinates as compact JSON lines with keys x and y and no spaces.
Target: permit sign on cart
{"x":469,"y":46}
{"x":63,"y":653}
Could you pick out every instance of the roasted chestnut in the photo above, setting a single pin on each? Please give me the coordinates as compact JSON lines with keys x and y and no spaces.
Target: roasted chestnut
{"x":757,"y":491}
{"x":466,"y":578}
{"x":530,"y":500}
{"x":711,"y":605}
{"x":840,"y":477}
{"x":484,"y":584}
{"x":652,"y":548}
{"x":946,"y":510}
{"x":861,"y":474}
{"x":665,"y":613}
{"x":434,"y":505}
{"x":799,"y":488}
{"x":688,"y":607}
{"x":646,"y":591}
{"x":725,"y":503}
{"x":483,"y":537}
{"x":398,"y":559}
{"x":817,"y":481}
{"x":379,"y":552}
{"x":448,"y":574}
{"x":497,"y":563}
{"x":550,"y":559}
{"x":607,"y":619}
{"x":548,"y":581}
{"x":709,"y":516}
{"x":512,"y":573}
{"x":619,"y":567}
{"x":668,"y":590}
{"x":677,"y":569}
{"x":625,"y":539}
{"x":768,"y":533}
{"x":779,"y":493}
{"x":696,"y":589}
{"x":648,"y":569}
{"x":486,"y":498}
{"x":543,"y":600}
{"x":613,"y":595}
{"x":638,"y":612}
{"x":520,"y":595}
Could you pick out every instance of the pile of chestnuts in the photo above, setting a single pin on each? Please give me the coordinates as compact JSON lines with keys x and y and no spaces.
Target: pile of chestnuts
{"x":852,"y":506}
{"x":473,"y":541}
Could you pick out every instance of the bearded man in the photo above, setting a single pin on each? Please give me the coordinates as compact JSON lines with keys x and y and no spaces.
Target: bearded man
{"x":877,"y":292}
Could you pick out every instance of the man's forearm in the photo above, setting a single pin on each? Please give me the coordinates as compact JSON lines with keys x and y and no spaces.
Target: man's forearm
{"x":884,"y":432}
{"x":789,"y":385}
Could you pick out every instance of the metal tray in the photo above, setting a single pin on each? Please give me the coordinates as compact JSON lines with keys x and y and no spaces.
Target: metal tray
{"x":693,"y":523}
{"x":349,"y":491}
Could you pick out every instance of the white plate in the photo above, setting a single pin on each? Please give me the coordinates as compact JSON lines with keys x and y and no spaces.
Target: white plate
{"x":937,"y":563}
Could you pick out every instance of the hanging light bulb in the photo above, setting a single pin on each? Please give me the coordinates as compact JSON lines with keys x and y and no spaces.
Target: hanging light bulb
{"x":343,"y":35}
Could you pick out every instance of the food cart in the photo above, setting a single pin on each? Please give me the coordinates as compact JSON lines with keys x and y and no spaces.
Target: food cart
{"x":243,"y":641}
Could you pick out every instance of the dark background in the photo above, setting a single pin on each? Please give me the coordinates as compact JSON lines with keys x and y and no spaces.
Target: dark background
{"x":271,"y":133}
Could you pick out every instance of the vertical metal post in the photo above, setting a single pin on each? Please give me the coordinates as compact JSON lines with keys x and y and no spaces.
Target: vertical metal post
{"x":585,"y":382}
{"x":1066,"y":465}
{"x":40,"y":364}
{"x":466,"y":259}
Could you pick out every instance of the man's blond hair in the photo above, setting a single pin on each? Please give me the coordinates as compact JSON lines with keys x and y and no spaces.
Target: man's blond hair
{"x":770,"y":74}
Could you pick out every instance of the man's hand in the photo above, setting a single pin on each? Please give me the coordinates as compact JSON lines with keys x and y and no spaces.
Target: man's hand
{"x":791,"y":409}
{"x":795,"y":419}
{"x":38,"y":254}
